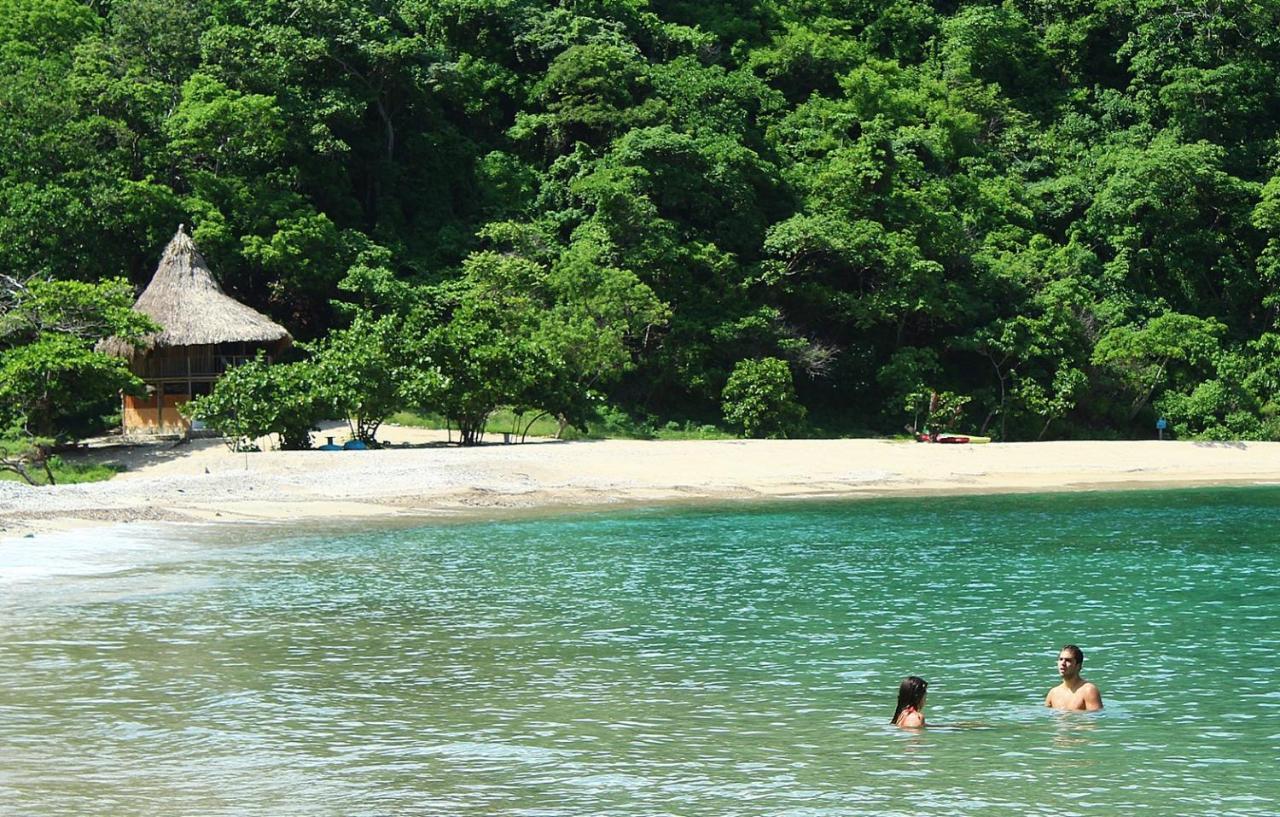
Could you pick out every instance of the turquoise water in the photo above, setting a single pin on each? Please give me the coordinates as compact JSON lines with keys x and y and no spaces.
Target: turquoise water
{"x":699,"y":662}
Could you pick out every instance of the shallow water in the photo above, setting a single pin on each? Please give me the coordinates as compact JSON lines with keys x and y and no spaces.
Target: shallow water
{"x":713,"y":662}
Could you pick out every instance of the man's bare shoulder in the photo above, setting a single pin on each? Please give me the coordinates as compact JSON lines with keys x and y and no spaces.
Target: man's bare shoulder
{"x":1086,"y":696}
{"x":1090,"y":695}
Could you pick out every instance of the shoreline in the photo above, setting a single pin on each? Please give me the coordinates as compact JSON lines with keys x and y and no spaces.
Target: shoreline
{"x":420,"y":480}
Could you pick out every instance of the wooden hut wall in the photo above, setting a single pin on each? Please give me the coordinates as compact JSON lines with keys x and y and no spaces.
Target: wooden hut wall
{"x":155,"y":413}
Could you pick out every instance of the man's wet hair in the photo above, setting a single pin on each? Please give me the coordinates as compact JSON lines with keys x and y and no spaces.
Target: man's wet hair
{"x":1075,"y":651}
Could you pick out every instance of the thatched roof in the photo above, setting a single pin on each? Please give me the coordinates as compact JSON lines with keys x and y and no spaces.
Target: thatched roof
{"x":187,"y":302}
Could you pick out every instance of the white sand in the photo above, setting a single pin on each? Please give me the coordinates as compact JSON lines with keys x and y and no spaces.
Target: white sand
{"x":202,"y":480}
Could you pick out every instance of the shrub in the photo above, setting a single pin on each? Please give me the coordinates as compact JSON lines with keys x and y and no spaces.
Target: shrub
{"x":258,"y":398}
{"x":760,"y":398}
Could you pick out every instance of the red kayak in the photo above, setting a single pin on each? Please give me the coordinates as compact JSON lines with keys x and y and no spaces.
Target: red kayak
{"x":941,"y":438}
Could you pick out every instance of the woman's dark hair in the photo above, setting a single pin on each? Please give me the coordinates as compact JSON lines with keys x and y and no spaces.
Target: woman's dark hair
{"x":910,"y":693}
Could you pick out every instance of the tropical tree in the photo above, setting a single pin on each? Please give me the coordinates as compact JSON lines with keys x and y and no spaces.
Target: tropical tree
{"x":362,"y":372}
{"x":54,"y":386}
{"x":1170,"y":351}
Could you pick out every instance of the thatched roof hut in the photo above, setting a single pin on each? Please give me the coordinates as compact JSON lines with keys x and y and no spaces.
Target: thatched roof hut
{"x":192,"y":309}
{"x":204,"y":332}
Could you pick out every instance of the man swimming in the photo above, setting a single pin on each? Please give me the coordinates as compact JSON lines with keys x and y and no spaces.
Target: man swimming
{"x":1074,"y":692}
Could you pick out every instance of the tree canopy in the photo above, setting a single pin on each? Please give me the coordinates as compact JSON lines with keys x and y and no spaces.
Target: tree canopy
{"x":1067,"y":215}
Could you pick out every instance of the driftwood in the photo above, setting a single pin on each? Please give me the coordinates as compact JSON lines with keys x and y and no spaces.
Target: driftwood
{"x":22,"y":462}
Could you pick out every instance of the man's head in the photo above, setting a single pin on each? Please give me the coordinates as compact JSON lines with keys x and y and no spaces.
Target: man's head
{"x":1070,"y":659}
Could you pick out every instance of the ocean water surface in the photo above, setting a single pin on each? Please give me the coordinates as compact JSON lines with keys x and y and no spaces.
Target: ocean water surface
{"x":714,"y":661}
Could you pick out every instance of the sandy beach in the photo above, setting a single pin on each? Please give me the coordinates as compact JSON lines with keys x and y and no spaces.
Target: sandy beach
{"x":421,"y":475}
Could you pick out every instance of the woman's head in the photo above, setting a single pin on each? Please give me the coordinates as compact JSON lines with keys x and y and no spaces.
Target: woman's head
{"x":910,"y":694}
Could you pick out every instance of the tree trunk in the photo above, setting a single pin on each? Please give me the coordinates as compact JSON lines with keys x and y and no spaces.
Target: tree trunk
{"x":471,"y":430}
{"x":367,"y":432}
{"x":525,"y":432}
{"x":1140,"y":402}
{"x":991,"y":415}
{"x":1044,"y":430}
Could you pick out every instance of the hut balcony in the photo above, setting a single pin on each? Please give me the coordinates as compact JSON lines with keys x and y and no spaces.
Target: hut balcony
{"x":193,"y":367}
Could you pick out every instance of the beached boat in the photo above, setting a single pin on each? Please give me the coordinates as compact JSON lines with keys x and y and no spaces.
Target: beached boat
{"x":951,"y":438}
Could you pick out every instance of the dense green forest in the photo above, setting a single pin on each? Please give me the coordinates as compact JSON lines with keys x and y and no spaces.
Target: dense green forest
{"x":1057,"y":219}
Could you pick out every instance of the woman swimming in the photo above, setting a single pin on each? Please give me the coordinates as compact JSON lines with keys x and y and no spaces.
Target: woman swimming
{"x":910,"y":711}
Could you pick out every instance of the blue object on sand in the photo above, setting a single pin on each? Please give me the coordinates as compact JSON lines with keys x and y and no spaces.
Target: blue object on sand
{"x":354,"y":445}
{"x":329,"y":446}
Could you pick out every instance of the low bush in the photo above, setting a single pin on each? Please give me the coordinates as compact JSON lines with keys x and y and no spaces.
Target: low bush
{"x":258,"y":398}
{"x":760,"y":398}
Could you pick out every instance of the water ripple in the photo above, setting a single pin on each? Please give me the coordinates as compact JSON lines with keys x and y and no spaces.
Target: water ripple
{"x":698,"y":663}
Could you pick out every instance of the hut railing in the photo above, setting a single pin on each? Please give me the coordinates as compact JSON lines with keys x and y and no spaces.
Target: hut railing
{"x":231,"y":361}
{"x":199,"y":368}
